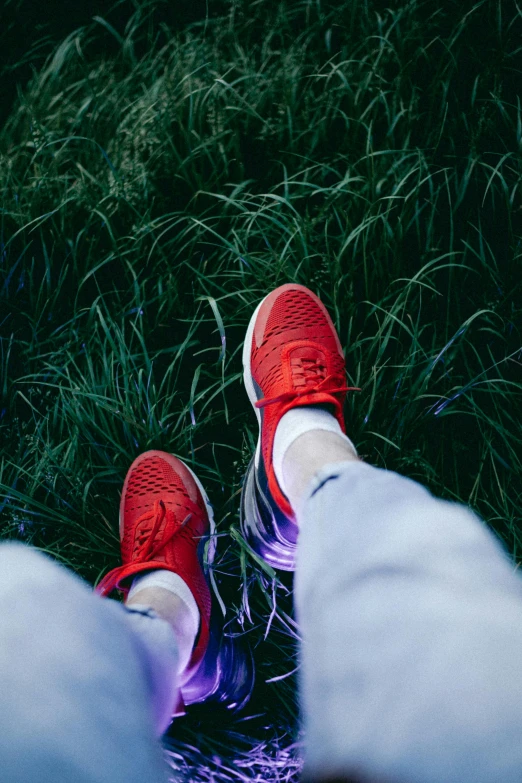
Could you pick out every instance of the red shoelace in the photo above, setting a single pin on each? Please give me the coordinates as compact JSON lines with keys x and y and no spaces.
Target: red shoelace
{"x":289,"y":396}
{"x":148,"y":547}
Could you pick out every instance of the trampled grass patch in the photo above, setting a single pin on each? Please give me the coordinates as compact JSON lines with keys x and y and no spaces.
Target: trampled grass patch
{"x":152,"y":195}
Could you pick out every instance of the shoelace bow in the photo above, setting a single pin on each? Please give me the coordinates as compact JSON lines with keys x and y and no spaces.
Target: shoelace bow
{"x":147,"y":548}
{"x":289,"y":396}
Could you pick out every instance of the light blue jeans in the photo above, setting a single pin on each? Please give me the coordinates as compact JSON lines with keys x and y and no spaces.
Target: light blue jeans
{"x":411,"y":619}
{"x":86,"y":686}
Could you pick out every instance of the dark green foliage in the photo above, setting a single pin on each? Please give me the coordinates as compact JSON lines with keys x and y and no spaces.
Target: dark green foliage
{"x":158,"y":178}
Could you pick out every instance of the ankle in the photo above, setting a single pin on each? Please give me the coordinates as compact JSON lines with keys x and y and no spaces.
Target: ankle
{"x":167,"y":605}
{"x":310,"y":452}
{"x":173,"y":609}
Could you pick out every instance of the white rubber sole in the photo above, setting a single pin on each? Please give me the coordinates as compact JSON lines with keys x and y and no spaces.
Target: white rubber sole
{"x":247,"y":374}
{"x":211,"y":551}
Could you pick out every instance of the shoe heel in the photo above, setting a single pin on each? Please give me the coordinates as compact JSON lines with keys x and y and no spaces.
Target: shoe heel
{"x":270,"y":534}
{"x":226,"y":675}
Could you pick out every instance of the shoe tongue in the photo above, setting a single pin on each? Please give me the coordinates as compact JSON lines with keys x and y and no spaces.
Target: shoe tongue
{"x":308,"y":366}
{"x":308,"y":352}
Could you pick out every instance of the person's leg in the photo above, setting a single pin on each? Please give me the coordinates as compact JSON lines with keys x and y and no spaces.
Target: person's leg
{"x":411,"y":621}
{"x":305,"y":456}
{"x":85,"y":685}
{"x":410,"y":614}
{"x":88,"y":685}
{"x":181,"y":615}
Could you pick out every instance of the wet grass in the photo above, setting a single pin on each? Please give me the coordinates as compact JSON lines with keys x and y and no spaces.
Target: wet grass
{"x":156,"y":183}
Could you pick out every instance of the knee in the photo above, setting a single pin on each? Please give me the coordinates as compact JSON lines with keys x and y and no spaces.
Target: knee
{"x":22,"y":567}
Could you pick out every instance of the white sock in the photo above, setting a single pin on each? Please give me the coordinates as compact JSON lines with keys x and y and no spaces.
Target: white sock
{"x":168,"y":580}
{"x":295,"y":423}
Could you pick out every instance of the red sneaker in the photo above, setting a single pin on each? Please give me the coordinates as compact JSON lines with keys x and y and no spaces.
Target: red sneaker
{"x":166,"y":522}
{"x":291,"y":357}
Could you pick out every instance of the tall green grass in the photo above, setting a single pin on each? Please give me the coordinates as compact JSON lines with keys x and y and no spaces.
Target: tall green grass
{"x":152,"y":195}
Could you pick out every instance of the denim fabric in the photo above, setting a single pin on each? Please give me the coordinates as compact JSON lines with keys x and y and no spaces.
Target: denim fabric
{"x":84,"y":685}
{"x":411,"y":620}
